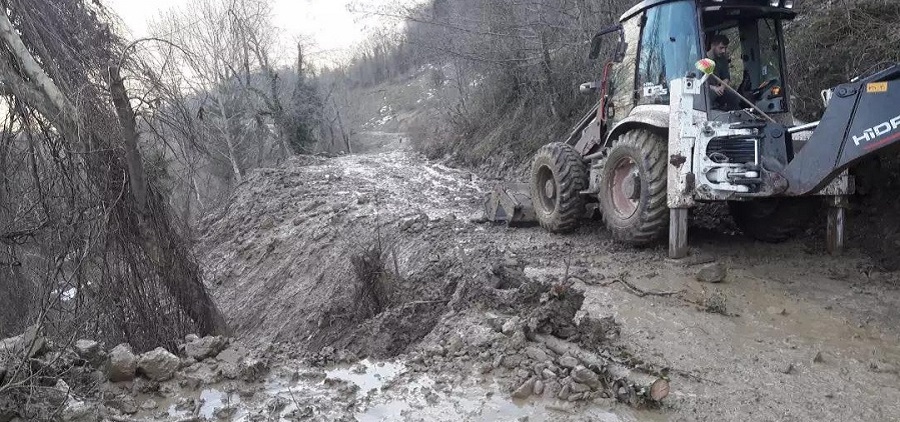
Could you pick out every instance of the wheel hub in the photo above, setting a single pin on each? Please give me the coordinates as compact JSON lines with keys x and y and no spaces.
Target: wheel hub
{"x":550,"y":189}
{"x":547,"y":189}
{"x":625,"y":187}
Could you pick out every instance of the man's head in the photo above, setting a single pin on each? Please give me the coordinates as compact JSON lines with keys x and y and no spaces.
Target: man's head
{"x":718,"y":46}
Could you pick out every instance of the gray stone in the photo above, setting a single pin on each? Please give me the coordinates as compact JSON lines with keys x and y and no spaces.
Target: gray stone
{"x":586,"y":376}
{"x":564,"y":392}
{"x":512,"y":361}
{"x":548,"y":374}
{"x":122,"y":364}
{"x":517,"y":340}
{"x":512,"y":326}
{"x":525,"y":390}
{"x":32,"y":339}
{"x":124,"y":404}
{"x":88,"y":350}
{"x":712,"y":273}
{"x":568,"y":362}
{"x":79,"y":411}
{"x":435,"y":350}
{"x":538,"y":387}
{"x":777,"y":311}
{"x":253,"y":369}
{"x":536,"y":354}
{"x":454,"y":344}
{"x":159,"y":364}
{"x":578,"y":387}
{"x":205,"y":347}
{"x":149,"y":404}
{"x":576,"y":397}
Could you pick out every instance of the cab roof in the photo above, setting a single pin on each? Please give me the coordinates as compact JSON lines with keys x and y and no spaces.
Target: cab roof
{"x":759,"y":6}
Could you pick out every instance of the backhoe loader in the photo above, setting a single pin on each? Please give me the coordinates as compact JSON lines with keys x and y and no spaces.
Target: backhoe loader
{"x":656,"y":144}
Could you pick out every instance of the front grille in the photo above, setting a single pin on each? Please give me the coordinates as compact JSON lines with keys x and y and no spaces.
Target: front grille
{"x":732,"y":150}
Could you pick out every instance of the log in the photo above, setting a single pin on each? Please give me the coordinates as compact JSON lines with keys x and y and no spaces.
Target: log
{"x":630,"y":387}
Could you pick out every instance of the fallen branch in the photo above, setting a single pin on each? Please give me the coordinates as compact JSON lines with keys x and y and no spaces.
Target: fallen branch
{"x":638,"y":291}
{"x":627,"y":386}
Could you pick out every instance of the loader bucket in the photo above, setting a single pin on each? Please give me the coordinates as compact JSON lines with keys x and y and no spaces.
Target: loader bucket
{"x":511,"y":204}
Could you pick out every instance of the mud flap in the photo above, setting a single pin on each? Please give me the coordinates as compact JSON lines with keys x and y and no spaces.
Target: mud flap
{"x":510,"y":204}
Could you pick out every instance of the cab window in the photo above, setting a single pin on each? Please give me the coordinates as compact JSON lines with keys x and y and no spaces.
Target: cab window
{"x":670,"y":45}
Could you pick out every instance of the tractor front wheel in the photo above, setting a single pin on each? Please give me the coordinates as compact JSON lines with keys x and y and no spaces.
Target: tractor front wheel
{"x":558,"y":176}
{"x":633,"y":188}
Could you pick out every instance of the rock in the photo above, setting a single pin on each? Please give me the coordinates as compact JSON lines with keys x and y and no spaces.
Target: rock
{"x":253,"y":369}
{"x":787,"y":369}
{"x":79,"y":411}
{"x":124,"y":404}
{"x":511,"y":326}
{"x":517,"y":341}
{"x":775,"y":310}
{"x":159,"y":364}
{"x":187,"y":363}
{"x":564,"y":392}
{"x":512,"y":361}
{"x":190,"y":338}
{"x":434,"y":350}
{"x":576,"y":397}
{"x":455,"y":344}
{"x":568,"y":362}
{"x":536,"y":354}
{"x":586,"y":376}
{"x":548,"y":374}
{"x":149,"y":404}
{"x":538,"y":388}
{"x":578,"y":387}
{"x":818,"y":358}
{"x":205,"y":347}
{"x":525,"y":390}
{"x":32,"y":339}
{"x":712,"y":273}
{"x":88,"y":350}
{"x":122,"y":363}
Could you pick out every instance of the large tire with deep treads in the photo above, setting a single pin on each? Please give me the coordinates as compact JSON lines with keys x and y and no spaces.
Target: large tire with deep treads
{"x":774,"y":220}
{"x":558,"y":176}
{"x":633,"y":188}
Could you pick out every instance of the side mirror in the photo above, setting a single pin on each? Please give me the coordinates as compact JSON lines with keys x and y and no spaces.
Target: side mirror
{"x":589,"y":87}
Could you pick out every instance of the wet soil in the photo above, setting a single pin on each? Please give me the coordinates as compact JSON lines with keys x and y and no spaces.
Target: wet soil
{"x":791,"y":334}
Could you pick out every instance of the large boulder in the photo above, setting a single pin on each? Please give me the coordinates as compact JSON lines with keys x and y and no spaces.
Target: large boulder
{"x":88,"y":350}
{"x":31,"y":343}
{"x":122,"y":363}
{"x":158,"y":364}
{"x":205,"y":347}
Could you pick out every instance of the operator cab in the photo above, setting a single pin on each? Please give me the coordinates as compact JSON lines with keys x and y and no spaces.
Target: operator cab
{"x":756,"y":50}
{"x":661,"y":40}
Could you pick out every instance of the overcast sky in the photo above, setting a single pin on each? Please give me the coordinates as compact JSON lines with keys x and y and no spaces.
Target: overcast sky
{"x":327,"y":23}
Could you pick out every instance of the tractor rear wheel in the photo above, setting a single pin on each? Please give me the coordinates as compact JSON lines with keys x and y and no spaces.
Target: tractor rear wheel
{"x":558,"y":176}
{"x":633,"y":188}
{"x":774,"y":220}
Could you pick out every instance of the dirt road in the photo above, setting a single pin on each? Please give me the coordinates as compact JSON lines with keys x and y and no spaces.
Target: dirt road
{"x":791,"y":334}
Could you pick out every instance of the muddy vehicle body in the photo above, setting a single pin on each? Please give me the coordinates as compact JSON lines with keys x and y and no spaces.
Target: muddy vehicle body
{"x":656,"y":144}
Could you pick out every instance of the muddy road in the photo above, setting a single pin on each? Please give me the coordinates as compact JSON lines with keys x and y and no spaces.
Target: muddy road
{"x":791,"y":333}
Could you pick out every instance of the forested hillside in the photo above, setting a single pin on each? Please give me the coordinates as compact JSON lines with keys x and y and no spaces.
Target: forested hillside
{"x":516,"y":66}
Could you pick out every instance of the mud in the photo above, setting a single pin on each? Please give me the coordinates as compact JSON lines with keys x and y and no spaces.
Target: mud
{"x":791,"y":334}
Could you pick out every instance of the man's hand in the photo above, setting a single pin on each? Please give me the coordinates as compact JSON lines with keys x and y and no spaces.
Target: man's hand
{"x":719,"y":90}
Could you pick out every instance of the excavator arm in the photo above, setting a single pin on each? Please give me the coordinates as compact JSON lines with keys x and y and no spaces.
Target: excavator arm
{"x":862,"y":118}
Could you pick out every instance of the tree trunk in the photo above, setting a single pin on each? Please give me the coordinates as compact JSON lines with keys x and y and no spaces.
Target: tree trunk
{"x":229,"y":141}
{"x":136,"y":176}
